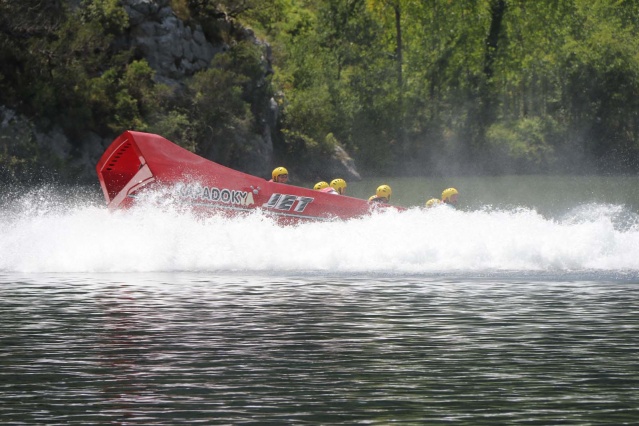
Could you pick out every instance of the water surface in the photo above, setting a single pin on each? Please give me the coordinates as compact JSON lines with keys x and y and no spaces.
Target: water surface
{"x":483,"y":315}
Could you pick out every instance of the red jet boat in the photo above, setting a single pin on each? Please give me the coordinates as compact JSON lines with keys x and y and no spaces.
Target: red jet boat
{"x":136,"y":162}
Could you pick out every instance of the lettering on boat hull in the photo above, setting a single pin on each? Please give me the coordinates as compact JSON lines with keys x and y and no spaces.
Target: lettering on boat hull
{"x":288,"y":202}
{"x":218,"y":195}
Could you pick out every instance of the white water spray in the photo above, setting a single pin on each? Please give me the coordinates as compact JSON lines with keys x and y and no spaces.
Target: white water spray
{"x":38,"y":234}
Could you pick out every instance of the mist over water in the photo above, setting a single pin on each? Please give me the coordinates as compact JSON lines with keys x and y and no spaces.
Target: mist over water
{"x":47,"y":231}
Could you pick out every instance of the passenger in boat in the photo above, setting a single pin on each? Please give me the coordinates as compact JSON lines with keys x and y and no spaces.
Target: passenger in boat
{"x":339,"y":185}
{"x":449,"y":196}
{"x":324,"y":187}
{"x":382,"y":195}
{"x":433,"y":202}
{"x":280,"y":175}
{"x":320,"y":185}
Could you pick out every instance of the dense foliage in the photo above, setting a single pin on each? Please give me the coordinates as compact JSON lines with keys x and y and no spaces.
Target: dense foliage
{"x":408,"y":87}
{"x":444,"y":86}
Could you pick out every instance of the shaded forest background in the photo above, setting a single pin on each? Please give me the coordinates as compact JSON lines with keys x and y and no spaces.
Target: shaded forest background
{"x":407,"y":87}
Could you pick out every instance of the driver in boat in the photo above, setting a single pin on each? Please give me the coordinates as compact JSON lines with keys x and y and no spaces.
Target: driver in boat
{"x":449,"y":196}
{"x":280,"y":175}
{"x":382,"y":195}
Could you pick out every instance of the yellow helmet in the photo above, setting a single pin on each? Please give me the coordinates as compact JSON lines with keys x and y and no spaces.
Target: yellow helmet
{"x":338,"y":185}
{"x":432,"y":202}
{"x":279,"y":171}
{"x":448,"y":193}
{"x":320,"y":185}
{"x":384,"y":191}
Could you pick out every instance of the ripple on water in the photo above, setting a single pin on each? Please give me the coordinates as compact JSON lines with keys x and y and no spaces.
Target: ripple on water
{"x":167,"y":348}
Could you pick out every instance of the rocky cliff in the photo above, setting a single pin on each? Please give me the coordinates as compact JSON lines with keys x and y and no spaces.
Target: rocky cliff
{"x":176,"y":51}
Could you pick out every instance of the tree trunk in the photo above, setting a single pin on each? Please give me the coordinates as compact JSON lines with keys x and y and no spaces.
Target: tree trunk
{"x":403,"y":138}
{"x":487,"y":93}
{"x":497,"y":10}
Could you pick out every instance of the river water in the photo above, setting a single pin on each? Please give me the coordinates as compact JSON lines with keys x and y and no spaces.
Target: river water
{"x":522,"y":309}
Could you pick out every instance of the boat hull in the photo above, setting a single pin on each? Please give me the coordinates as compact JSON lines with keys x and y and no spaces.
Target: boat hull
{"x":136,"y":162}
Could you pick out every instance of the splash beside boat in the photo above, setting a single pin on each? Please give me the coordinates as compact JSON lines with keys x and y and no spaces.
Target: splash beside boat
{"x":136,"y":162}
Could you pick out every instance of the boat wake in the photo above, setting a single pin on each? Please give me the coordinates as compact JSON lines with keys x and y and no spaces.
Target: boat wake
{"x":45,"y":232}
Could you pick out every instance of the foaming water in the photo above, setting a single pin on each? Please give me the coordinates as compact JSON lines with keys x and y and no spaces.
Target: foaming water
{"x":45,"y":232}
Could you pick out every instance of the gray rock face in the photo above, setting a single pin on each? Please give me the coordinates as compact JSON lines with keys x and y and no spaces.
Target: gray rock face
{"x":53,"y":148}
{"x":172,"y":49}
{"x":176,"y":51}
{"x":337,"y":165}
{"x":16,"y":129}
{"x":342,"y":164}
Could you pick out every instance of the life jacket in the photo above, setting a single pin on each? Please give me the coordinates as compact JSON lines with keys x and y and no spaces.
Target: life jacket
{"x":329,"y":190}
{"x":376,"y":199}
